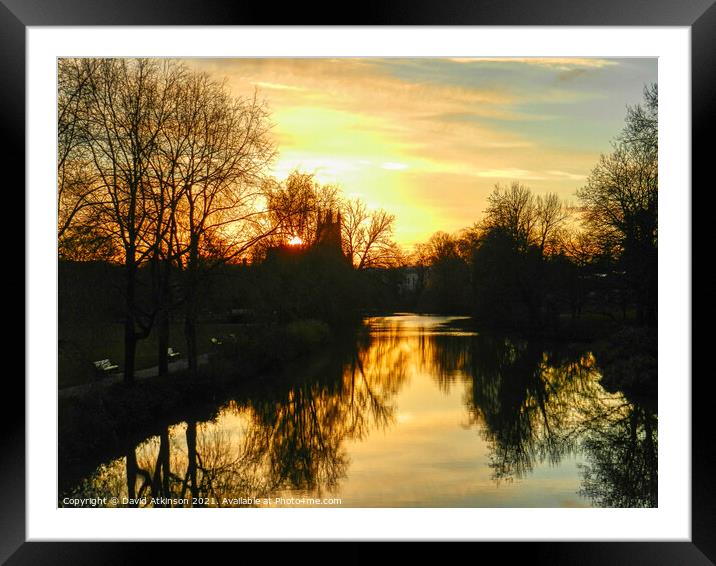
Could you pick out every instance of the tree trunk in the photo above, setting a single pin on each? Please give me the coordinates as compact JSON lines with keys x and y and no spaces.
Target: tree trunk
{"x":163,"y":342}
{"x":191,"y":457}
{"x":190,"y":335}
{"x":163,"y":319}
{"x":130,"y":336}
{"x":164,"y":456}
{"x":131,"y":475}
{"x":191,"y":307}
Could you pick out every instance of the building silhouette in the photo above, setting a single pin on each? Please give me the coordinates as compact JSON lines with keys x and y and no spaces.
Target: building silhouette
{"x":327,"y":241}
{"x":328,"y":231}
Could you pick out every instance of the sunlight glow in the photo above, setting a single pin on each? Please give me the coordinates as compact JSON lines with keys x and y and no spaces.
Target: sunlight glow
{"x":427,"y":139}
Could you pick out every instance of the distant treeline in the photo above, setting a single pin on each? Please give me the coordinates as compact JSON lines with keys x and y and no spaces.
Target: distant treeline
{"x":290,"y":285}
{"x":531,"y":258}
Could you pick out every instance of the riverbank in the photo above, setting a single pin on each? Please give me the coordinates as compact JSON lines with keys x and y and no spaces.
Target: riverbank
{"x":374,"y":410}
{"x":102,"y":423}
{"x":115,"y":378}
{"x":103,"y":420}
{"x":80,"y":344}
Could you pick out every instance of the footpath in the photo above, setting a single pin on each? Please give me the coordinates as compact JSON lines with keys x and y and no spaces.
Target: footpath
{"x":116,"y":377}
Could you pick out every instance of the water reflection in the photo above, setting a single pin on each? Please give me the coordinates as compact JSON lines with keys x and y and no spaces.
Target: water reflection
{"x":540,"y":403}
{"x":527,"y":405}
{"x":621,"y":451}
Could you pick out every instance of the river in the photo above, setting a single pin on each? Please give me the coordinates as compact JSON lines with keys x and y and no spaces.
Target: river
{"x":419,"y":411}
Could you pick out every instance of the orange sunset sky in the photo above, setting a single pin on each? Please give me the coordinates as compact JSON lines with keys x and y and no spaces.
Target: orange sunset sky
{"x":427,"y":139}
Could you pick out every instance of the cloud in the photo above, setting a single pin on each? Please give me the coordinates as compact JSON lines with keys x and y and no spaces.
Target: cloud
{"x":394,"y":166}
{"x":524,"y":174}
{"x":512,"y":174}
{"x":559,"y":63}
{"x":565,"y":175}
{"x":278,"y":86}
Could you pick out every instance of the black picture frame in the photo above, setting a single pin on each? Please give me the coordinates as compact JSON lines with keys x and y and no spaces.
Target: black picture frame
{"x":699,"y":15}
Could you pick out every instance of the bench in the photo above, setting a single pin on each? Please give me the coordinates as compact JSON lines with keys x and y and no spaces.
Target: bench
{"x":105,"y":366}
{"x":171,"y":354}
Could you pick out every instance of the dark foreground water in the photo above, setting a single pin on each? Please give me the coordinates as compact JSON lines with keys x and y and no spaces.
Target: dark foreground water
{"x":417,"y":412}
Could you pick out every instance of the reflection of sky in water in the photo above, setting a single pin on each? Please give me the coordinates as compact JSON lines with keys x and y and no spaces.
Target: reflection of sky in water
{"x":426,"y":447}
{"x":432,"y":457}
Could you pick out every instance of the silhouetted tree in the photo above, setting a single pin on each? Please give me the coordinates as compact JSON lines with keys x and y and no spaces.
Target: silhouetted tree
{"x":295,"y":207}
{"x":620,"y":202}
{"x":642,"y":123}
{"x":77,"y":186}
{"x":496,"y":267}
{"x":575,"y":267}
{"x":221,"y":164}
{"x":447,"y":279}
{"x":368,"y":236}
{"x":126,"y":106}
{"x":529,"y":220}
{"x":158,"y":163}
{"x":510,"y":262}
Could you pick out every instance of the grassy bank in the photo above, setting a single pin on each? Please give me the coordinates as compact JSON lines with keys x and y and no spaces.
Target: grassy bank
{"x":82,"y":344}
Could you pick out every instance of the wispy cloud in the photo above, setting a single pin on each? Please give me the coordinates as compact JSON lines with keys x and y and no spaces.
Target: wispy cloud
{"x":566,"y":175}
{"x":517,"y":174}
{"x":391,"y":166}
{"x":278,"y":86}
{"x":559,"y":63}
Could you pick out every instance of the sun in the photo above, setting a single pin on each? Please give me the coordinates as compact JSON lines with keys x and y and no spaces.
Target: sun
{"x":295,"y":241}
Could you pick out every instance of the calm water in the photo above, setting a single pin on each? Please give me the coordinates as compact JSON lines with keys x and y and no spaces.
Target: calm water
{"x":418,"y":412}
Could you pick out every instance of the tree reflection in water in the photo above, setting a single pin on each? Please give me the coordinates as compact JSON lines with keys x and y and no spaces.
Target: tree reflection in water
{"x":536,"y":403}
{"x":531,"y":401}
{"x":206,"y":465}
{"x":289,"y":437}
{"x":622,"y":459}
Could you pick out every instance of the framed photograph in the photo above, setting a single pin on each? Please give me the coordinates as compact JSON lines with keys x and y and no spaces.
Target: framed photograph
{"x":422,"y":276}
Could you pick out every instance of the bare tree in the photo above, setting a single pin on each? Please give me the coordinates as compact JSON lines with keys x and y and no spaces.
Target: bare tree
{"x":551,"y":216}
{"x":620,"y":199}
{"x":528,"y":219}
{"x":513,"y":210}
{"x":581,"y":247}
{"x":158,"y":164}
{"x":641,"y":130}
{"x":368,"y":236}
{"x":219,"y":170}
{"x":127,"y":105}
{"x":620,"y":203}
{"x":77,"y":183}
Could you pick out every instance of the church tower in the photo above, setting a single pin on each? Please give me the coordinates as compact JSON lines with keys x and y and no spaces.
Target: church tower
{"x":328,"y":232}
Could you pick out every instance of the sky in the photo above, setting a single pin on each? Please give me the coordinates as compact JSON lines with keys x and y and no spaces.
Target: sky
{"x":427,"y":139}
